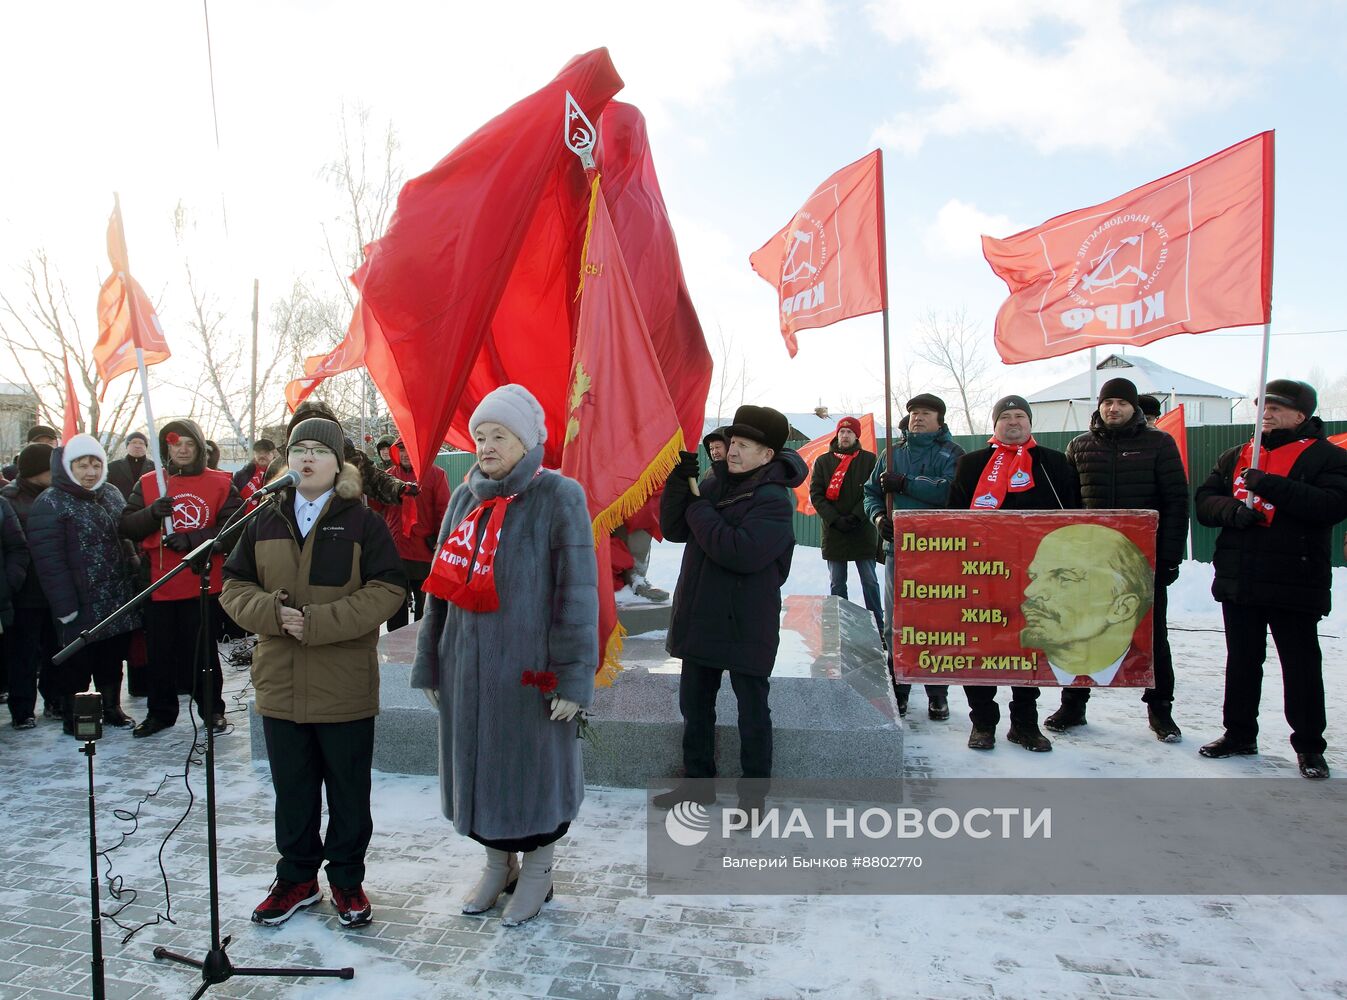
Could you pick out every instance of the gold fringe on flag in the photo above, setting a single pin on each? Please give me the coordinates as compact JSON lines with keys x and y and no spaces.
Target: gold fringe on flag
{"x":611,"y":665}
{"x":589,"y":229}
{"x":634,"y":498}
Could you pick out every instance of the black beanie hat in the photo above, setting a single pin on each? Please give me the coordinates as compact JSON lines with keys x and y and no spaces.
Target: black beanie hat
{"x":34,"y":460}
{"x":138,"y":434}
{"x":1120,"y":388}
{"x":325,"y":432}
{"x":1150,"y":406}
{"x":1011,"y":403}
{"x":761,"y":424}
{"x":1297,"y":395}
{"x":42,"y":431}
{"x":927,"y":401}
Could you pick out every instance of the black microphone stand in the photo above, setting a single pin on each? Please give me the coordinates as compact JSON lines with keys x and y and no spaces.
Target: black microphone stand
{"x":216,"y":966}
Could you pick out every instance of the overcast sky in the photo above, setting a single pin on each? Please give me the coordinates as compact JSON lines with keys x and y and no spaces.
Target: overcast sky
{"x":994,"y":116}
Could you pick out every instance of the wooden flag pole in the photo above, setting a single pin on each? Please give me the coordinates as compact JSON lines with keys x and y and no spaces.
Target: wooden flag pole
{"x":884,"y":302}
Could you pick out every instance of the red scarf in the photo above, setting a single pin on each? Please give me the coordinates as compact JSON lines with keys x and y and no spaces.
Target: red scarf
{"x":408,"y":512}
{"x":464,"y":577}
{"x":1010,"y":468}
{"x":840,"y":473}
{"x":1275,"y":462}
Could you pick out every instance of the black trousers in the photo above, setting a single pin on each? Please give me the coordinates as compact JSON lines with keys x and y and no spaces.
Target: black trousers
{"x":100,"y":662}
{"x":1163,"y":692}
{"x":416,"y":575}
{"x":985,"y":713}
{"x":697,"y":688}
{"x":30,"y":644}
{"x":171,"y":636}
{"x":1297,"y":639}
{"x":306,"y":759}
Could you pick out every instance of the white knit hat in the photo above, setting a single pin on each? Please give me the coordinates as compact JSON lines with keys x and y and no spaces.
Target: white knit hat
{"x":513,"y":407}
{"x":83,"y":446}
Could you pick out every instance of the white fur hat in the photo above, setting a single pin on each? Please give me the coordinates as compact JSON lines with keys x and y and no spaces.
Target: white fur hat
{"x":512,"y":406}
{"x":83,"y":446}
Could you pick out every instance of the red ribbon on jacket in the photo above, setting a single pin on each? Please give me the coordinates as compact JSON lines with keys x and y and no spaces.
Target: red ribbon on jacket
{"x":835,"y":483}
{"x":1276,"y":462}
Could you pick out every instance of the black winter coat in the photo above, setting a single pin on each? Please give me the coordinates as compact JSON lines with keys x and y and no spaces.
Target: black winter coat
{"x":78,"y":552}
{"x":125,"y":473}
{"x":740,"y":536}
{"x":13,"y":561}
{"x":1056,"y":486}
{"x":860,"y":541}
{"x":1287,"y":564}
{"x":21,"y":494}
{"x":1135,"y":467}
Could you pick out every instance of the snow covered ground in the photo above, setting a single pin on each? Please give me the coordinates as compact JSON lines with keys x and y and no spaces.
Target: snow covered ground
{"x":603,"y":936}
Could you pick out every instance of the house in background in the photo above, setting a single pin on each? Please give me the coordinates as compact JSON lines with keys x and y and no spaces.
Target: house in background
{"x":1067,"y":405}
{"x":18,"y":412}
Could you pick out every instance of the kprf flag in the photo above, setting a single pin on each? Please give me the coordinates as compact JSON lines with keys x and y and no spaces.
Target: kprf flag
{"x":126,"y":318}
{"x":72,"y":406}
{"x":347,"y":355}
{"x":1172,"y":423}
{"x":827,"y":263}
{"x":813,"y":449}
{"x":622,"y":432}
{"x":1188,"y":253}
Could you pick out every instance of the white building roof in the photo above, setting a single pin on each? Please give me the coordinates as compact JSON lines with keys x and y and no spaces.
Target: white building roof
{"x":1147,"y":375}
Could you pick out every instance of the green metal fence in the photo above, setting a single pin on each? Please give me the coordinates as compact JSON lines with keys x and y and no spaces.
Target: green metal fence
{"x":1205,"y":445}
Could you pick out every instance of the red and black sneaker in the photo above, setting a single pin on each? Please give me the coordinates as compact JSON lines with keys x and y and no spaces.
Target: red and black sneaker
{"x":284,"y":899}
{"x":353,"y":909}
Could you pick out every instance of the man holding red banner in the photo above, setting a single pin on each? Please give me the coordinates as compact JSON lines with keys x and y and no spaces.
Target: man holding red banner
{"x":837,"y":491}
{"x":1122,"y":463}
{"x":915,"y":475}
{"x":1273,"y":568}
{"x":1013,"y":473}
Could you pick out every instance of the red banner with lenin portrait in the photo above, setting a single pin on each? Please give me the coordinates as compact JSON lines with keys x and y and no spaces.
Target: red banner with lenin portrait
{"x":1024,"y":598}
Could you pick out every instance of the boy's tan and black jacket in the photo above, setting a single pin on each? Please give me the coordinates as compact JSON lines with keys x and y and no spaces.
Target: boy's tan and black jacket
{"x":348,"y":579}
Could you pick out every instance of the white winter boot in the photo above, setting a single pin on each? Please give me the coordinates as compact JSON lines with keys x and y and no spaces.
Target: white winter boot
{"x":534,"y":888}
{"x":502,"y":869}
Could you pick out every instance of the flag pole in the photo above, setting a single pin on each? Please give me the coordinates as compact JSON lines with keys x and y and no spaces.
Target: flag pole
{"x":884,"y":302}
{"x":1258,"y":415}
{"x":140,"y":363}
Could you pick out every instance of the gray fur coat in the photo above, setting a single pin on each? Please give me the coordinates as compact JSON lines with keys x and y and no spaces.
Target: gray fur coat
{"x":506,"y":769}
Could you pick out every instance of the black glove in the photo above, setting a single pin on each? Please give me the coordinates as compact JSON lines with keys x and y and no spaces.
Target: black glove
{"x":687,"y":467}
{"x":163,"y":507}
{"x":1166,"y":573}
{"x":1252,"y":477}
{"x":411,"y":489}
{"x":885,"y":526}
{"x":1246,"y":517}
{"x":893,"y":482}
{"x":847,"y":523}
{"x":178,"y":542}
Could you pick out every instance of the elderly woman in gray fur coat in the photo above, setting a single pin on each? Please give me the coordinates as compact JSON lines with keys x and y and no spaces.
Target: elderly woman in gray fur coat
{"x":510,"y":644}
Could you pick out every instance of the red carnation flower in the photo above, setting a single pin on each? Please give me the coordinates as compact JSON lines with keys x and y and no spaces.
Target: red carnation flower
{"x":544,"y":680}
{"x":172,"y":438}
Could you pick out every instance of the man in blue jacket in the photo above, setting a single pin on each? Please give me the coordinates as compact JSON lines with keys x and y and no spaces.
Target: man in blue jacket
{"x":915,"y":476}
{"x":726,"y":614}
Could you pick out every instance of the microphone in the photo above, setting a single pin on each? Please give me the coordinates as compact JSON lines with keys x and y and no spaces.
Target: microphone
{"x":291,"y":478}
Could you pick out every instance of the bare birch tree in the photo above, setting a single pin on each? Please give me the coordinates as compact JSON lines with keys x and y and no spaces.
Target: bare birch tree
{"x":731,"y":381}
{"x":953,"y":346}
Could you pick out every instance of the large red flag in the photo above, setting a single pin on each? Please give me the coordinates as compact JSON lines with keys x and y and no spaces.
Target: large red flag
{"x":126,"y":318}
{"x":1338,"y":439}
{"x":622,"y":433}
{"x":813,"y":449}
{"x":72,"y":405}
{"x":827,"y":263}
{"x":485,"y":244}
{"x":1172,"y":423}
{"x":1188,"y":253}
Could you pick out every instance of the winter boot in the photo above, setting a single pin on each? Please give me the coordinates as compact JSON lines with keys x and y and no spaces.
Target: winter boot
{"x":1069,"y":716}
{"x":937,"y":707}
{"x":1226,"y":747}
{"x":534,"y":888}
{"x":1162,"y":722}
{"x":981,"y":739}
{"x":1027,"y":735}
{"x":1312,"y":766}
{"x":500,"y":875}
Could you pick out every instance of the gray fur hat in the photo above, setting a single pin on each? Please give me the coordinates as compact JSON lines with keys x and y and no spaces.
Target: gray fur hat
{"x":513,"y":407}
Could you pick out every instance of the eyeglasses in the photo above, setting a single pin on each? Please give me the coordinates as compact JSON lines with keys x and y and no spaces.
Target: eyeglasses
{"x":300,"y":452}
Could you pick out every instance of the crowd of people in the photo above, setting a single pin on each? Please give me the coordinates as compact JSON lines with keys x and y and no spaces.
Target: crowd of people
{"x":502,"y":570}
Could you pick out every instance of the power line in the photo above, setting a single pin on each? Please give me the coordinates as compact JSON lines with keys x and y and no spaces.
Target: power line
{"x":1279,"y":333}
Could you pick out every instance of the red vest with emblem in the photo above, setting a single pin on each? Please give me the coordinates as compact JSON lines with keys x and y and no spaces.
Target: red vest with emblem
{"x":198,"y":499}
